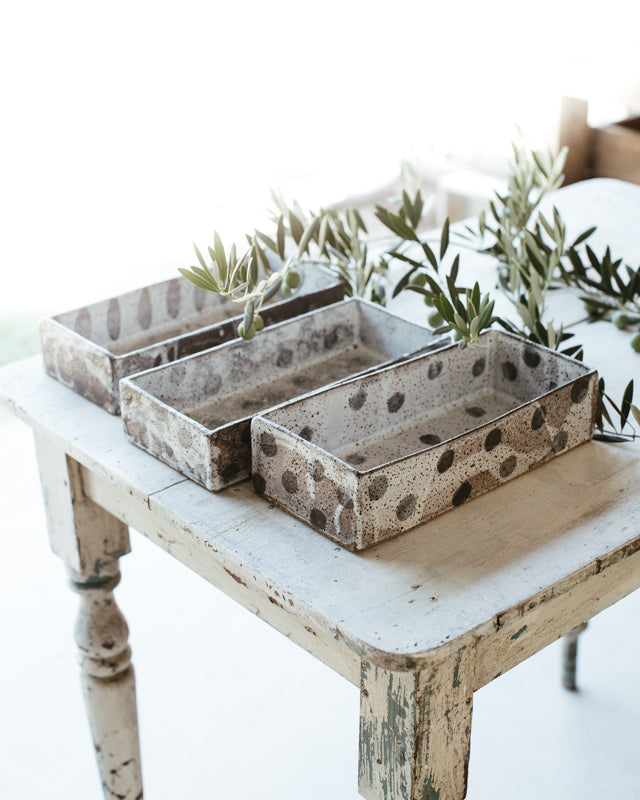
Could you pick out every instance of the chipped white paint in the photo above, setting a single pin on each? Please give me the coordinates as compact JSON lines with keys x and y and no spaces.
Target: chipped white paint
{"x":90,"y":541}
{"x":108,"y":685}
{"x":415,"y":730}
{"x":79,"y":531}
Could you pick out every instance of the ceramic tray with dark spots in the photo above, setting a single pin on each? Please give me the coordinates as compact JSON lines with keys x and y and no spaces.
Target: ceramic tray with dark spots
{"x":373,"y":457}
{"x":91,"y":348}
{"x":195,"y":413}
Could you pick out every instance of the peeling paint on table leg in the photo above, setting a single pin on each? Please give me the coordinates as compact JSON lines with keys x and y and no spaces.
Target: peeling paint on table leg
{"x":90,"y":541}
{"x":415,"y":730}
{"x":108,"y":685}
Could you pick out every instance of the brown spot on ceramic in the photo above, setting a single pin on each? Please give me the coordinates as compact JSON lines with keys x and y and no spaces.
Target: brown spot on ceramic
{"x":145,"y":311}
{"x":531,"y":357}
{"x":285,"y":357}
{"x":357,"y":400}
{"x":508,"y":466}
{"x":493,"y":439}
{"x":318,"y":519}
{"x":394,"y":403}
{"x":462,"y":493}
{"x":83,"y":323}
{"x":579,"y":391}
{"x":560,"y":441}
{"x":509,"y":370}
{"x":378,"y":487}
{"x":290,"y":482}
{"x":259,"y":483}
{"x":406,"y":507}
{"x":199,"y":298}
{"x":478,"y":367}
{"x":539,"y":418}
{"x":268,"y":444}
{"x":434,"y":370}
{"x":114,"y":319}
{"x":173,"y":298}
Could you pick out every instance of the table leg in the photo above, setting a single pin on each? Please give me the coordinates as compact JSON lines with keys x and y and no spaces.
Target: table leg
{"x":570,"y":657}
{"x":90,"y":541}
{"x":415,"y":730}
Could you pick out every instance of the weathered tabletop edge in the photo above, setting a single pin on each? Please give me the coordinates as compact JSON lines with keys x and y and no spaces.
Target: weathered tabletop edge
{"x":362,"y":649}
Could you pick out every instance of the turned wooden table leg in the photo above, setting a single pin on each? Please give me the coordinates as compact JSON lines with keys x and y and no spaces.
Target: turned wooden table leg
{"x":415,"y":730}
{"x":108,"y":685}
{"x":90,"y":541}
{"x":570,"y":657}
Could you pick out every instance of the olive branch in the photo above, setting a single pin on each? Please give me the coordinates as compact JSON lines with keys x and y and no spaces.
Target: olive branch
{"x":531,"y":250}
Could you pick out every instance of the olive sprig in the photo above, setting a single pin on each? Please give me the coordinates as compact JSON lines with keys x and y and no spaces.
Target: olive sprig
{"x":248,"y":278}
{"x":608,"y":288}
{"x":465,"y":311}
{"x":335,"y":238}
{"x":603,"y":413}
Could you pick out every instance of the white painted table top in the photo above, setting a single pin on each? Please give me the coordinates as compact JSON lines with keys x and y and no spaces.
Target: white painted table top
{"x":452,"y":575}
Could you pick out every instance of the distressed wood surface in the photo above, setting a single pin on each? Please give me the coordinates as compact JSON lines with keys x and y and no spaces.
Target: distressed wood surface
{"x":415,"y":730}
{"x":460,"y":574}
{"x":392,"y":605}
{"x":108,"y":685}
{"x":90,"y":541}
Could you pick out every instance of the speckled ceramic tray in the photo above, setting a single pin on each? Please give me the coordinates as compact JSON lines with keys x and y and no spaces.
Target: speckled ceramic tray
{"x":373,"y":457}
{"x":195,"y":414}
{"x":90,"y":349}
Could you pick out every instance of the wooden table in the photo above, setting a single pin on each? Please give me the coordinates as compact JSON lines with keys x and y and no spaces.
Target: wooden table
{"x":418,"y":623}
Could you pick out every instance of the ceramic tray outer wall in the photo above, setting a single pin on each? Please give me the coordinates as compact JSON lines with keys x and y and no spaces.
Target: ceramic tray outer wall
{"x":156,"y":403}
{"x":359,"y":509}
{"x":82,"y":348}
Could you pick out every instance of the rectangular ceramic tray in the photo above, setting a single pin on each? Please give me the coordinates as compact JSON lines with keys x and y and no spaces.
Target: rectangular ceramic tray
{"x":195,"y":414}
{"x":373,"y":457}
{"x":90,"y":349}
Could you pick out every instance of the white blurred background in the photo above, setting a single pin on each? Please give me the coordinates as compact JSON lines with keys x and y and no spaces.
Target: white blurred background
{"x":131,"y":129}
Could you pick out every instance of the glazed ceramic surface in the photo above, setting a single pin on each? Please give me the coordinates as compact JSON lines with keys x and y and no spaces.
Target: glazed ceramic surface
{"x":90,"y":349}
{"x":195,"y":414}
{"x":373,"y":457}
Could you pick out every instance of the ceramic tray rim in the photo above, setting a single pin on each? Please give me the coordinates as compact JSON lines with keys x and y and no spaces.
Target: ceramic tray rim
{"x":271,"y":330}
{"x":589,"y":372}
{"x":55,"y":318}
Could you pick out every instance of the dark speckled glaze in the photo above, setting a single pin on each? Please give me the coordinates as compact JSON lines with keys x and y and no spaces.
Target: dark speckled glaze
{"x":195,"y":413}
{"x":396,"y":448}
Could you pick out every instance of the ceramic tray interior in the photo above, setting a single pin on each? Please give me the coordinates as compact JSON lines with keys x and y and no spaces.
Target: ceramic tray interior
{"x":195,"y":413}
{"x":373,"y":457}
{"x":90,"y":349}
